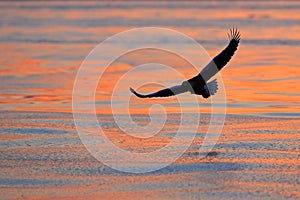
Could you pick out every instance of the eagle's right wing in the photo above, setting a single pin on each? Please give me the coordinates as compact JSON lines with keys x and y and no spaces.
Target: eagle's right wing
{"x":219,"y":61}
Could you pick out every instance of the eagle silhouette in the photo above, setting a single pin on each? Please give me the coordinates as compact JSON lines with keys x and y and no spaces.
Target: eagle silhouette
{"x":198,"y":85}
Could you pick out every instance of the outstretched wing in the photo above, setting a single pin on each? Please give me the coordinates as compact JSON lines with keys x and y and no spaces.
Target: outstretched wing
{"x":162,"y":93}
{"x":219,"y":61}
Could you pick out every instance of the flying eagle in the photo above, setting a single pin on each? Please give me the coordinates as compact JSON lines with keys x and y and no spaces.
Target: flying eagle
{"x":198,"y":84}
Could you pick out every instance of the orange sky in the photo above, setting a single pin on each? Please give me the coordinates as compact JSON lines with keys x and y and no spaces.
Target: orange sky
{"x":40,"y":76}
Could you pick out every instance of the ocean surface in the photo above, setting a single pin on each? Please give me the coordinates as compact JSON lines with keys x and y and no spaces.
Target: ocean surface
{"x":43,"y":44}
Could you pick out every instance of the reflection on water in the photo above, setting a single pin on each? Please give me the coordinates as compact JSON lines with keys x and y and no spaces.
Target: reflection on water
{"x":43,"y":44}
{"x":42,"y":157}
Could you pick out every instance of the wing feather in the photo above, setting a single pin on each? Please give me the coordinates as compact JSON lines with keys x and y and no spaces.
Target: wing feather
{"x":162,"y":93}
{"x":224,"y":57}
{"x":219,"y":61}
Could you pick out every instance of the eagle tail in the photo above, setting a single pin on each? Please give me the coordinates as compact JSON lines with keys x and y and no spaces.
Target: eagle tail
{"x":210,"y":88}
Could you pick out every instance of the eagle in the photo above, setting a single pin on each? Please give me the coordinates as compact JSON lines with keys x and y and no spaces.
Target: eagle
{"x":199,"y":84}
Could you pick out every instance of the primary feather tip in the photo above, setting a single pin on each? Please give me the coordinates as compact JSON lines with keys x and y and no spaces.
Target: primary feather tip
{"x":131,"y":90}
{"x":234,"y":34}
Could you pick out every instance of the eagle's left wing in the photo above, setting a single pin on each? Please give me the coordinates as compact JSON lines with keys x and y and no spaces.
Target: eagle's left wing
{"x":162,"y":93}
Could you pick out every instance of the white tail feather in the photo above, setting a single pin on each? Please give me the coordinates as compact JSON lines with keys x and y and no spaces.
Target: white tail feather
{"x":211,"y":87}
